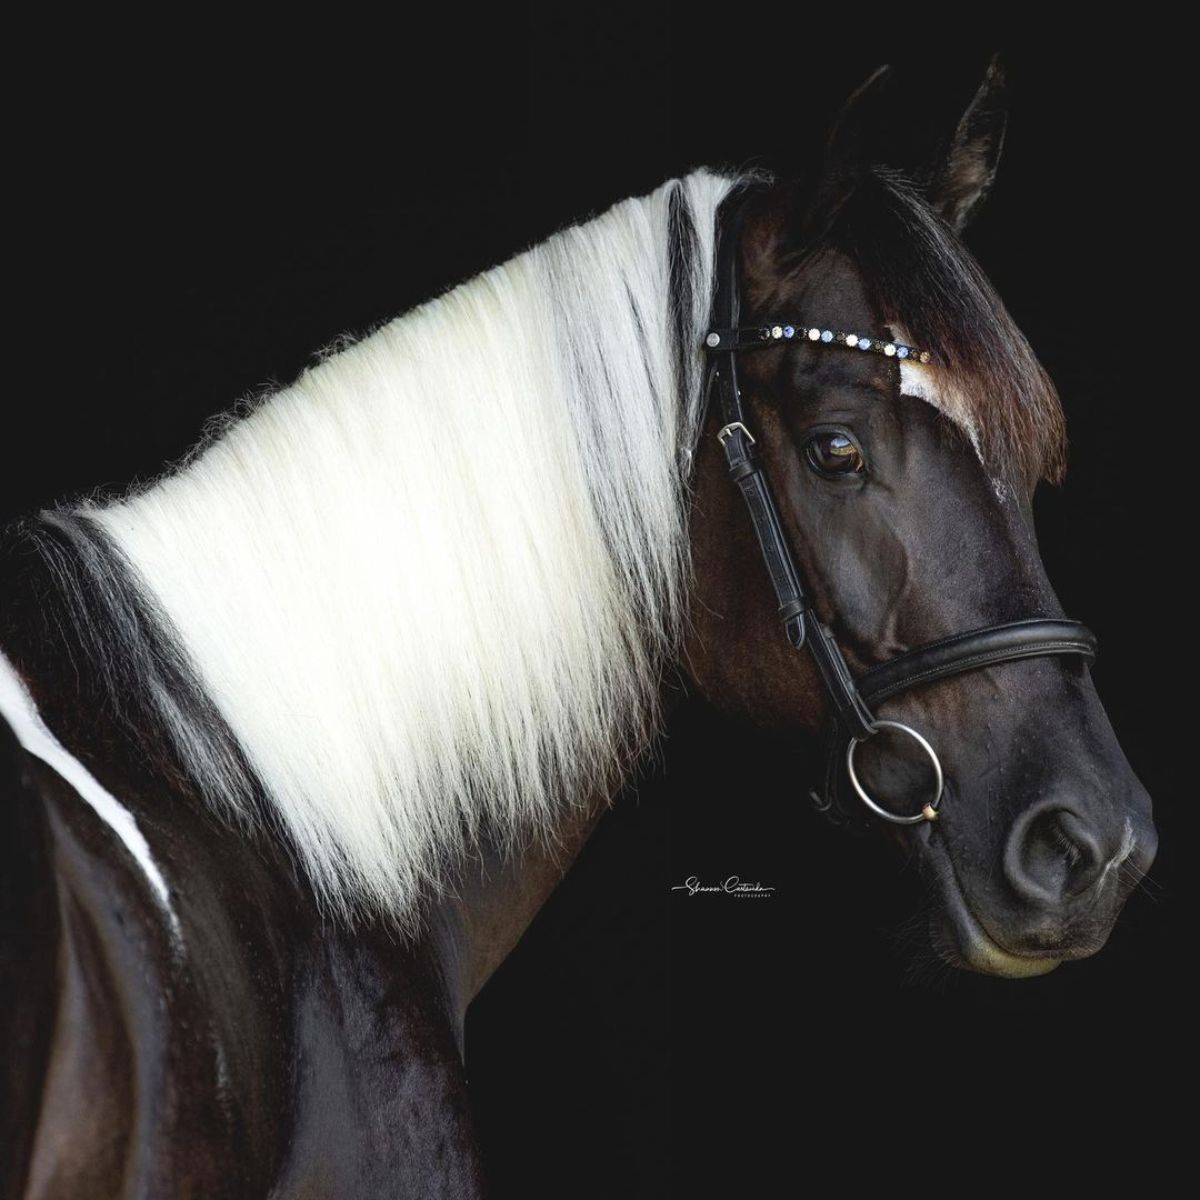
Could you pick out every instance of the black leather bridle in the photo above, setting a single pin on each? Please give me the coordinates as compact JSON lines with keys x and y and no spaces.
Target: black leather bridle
{"x":851,"y":720}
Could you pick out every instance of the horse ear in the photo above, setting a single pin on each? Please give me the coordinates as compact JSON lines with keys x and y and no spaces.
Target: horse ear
{"x":965,"y":176}
{"x":899,"y":121}
{"x":857,"y":129}
{"x":857,"y":139}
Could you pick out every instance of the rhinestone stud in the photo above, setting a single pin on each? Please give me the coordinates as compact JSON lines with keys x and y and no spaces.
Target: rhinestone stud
{"x":814,"y":335}
{"x":852,"y":339}
{"x":789,"y":331}
{"x":901,"y":351}
{"x":713,"y":339}
{"x":889,"y":349}
{"x":777,"y":332}
{"x":924,"y":356}
{"x":864,"y":343}
{"x":827,"y":335}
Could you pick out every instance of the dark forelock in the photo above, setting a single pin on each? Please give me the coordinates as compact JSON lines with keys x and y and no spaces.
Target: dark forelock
{"x":919,"y":274}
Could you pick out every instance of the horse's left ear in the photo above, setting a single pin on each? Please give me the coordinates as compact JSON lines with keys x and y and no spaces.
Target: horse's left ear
{"x":964,"y":177}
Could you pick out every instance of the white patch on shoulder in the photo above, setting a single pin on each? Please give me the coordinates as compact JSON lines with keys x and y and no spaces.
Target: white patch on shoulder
{"x":18,"y":709}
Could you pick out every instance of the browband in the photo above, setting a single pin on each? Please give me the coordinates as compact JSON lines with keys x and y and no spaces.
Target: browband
{"x":755,"y":337}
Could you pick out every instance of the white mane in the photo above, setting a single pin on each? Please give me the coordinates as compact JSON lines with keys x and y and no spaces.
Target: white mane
{"x":430,"y":585}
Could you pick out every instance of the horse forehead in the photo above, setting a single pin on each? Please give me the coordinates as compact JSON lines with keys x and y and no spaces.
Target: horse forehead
{"x":828,"y":290}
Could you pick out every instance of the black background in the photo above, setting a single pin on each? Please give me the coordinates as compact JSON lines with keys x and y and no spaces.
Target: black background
{"x":192,"y":226}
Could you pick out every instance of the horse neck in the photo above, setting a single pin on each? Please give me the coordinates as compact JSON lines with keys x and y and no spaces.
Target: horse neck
{"x":428,"y":589}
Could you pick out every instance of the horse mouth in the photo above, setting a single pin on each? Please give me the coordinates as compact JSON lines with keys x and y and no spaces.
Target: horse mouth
{"x":962,"y":940}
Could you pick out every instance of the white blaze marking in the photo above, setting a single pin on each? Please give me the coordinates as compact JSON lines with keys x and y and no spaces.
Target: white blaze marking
{"x":18,"y":709}
{"x":917,"y":379}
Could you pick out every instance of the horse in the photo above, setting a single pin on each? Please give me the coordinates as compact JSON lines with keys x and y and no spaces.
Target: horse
{"x":300,"y":736}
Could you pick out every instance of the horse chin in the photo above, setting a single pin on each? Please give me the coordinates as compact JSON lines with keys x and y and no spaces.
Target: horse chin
{"x":960,"y":938}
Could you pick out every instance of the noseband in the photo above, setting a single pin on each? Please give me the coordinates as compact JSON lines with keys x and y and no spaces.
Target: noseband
{"x":852,"y":721}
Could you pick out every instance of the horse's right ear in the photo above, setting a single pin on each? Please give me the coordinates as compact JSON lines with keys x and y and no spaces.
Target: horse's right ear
{"x":795,"y":212}
{"x":861,"y":135}
{"x":858,"y":129}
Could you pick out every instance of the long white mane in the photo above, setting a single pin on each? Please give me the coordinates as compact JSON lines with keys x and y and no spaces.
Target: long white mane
{"x":431,"y":585}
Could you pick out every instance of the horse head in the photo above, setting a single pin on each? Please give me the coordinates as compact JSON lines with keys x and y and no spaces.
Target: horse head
{"x":904,"y":483}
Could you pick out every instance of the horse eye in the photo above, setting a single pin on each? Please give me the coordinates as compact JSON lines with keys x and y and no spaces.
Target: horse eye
{"x":834,"y":454}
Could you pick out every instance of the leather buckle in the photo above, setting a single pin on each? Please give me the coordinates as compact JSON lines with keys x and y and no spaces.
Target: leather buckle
{"x":727,"y":431}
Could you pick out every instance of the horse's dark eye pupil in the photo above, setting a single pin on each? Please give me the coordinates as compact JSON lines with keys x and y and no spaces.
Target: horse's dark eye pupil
{"x":835,"y":454}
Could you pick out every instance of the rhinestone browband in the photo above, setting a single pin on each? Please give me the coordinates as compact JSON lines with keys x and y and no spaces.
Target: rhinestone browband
{"x":748,"y":337}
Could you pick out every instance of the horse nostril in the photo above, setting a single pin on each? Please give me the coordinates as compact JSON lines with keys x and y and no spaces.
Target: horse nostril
{"x":1052,"y":854}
